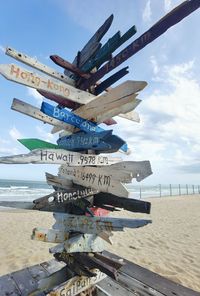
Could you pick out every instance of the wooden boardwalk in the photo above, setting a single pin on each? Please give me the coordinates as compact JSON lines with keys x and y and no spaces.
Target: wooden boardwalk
{"x":132,"y":280}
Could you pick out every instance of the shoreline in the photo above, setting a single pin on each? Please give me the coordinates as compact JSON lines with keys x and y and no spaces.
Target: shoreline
{"x":169,"y":246}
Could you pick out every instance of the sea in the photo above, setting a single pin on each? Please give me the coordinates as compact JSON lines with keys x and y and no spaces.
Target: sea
{"x":22,"y":190}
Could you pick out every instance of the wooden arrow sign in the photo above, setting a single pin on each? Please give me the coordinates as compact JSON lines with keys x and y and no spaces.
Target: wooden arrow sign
{"x":78,"y":243}
{"x":105,"y":52}
{"x":59,"y":156}
{"x":62,"y":197}
{"x":114,"y":98}
{"x":19,"y":56}
{"x":81,"y":243}
{"x":17,"y":74}
{"x":34,"y":112}
{"x":92,"y":45}
{"x":70,"y":118}
{"x":58,"y":182}
{"x":68,"y":66}
{"x":129,"y":204}
{"x":169,"y":20}
{"x":104,"y":142}
{"x":108,"y":179}
{"x":111,"y":80}
{"x":95,"y":225}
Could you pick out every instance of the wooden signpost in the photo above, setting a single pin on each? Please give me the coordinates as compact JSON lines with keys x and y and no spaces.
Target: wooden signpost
{"x":87,"y":183}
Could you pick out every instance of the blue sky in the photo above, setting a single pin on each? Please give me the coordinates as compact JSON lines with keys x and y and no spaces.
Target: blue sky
{"x":169,"y":132}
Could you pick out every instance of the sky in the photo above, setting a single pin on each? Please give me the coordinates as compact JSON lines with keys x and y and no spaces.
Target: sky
{"x":168,"y":134}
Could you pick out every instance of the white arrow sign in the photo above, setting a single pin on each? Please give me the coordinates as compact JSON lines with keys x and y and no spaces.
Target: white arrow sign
{"x":108,"y":179}
{"x":20,"y":75}
{"x":59,"y":156}
{"x":19,"y":56}
{"x":34,"y":112}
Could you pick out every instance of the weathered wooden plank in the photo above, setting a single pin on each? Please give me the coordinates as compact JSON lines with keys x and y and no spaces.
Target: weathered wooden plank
{"x":66,"y":116}
{"x":105,"y":185}
{"x":34,"y":112}
{"x":80,"y":243}
{"x":129,"y":204}
{"x":94,"y":225}
{"x":104,"y":102}
{"x":98,"y":178}
{"x":8,"y":286}
{"x":33,"y":144}
{"x":33,"y":62}
{"x":38,"y":272}
{"x":105,"y":52}
{"x":20,"y":75}
{"x":130,"y":104}
{"x":68,"y":66}
{"x":59,"y":182}
{"x":160,"y":27}
{"x":139,"y":169}
{"x":150,"y":280}
{"x":110,"y":80}
{"x":27,"y":283}
{"x":56,"y":277}
{"x":62,"y":197}
{"x":103,"y":142}
{"x":105,"y":178}
{"x":59,"y":156}
{"x":92,"y":45}
{"x":59,"y":99}
{"x":132,"y":116}
{"x":109,"y":287}
{"x":91,"y":262}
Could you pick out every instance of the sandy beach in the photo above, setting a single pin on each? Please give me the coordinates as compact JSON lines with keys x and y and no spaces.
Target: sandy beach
{"x":170,"y":246}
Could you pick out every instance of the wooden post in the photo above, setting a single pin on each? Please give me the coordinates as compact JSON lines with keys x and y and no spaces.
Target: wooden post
{"x":170,"y":189}
{"x":160,"y":189}
{"x":193,"y":189}
{"x":187,"y":189}
{"x":179,"y":189}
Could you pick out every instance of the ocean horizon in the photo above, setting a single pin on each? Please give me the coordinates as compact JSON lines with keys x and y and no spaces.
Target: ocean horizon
{"x":28,"y":190}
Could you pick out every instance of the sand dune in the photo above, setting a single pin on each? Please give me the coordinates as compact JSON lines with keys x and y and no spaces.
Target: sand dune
{"x":169,"y":246}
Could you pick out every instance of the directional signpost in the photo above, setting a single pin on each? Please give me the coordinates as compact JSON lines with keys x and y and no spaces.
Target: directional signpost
{"x":88,"y":183}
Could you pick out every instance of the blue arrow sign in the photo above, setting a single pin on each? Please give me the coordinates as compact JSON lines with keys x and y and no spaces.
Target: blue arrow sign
{"x":71,"y":118}
{"x":102,"y":142}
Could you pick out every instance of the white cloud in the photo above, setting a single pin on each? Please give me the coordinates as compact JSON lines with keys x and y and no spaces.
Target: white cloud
{"x":154,"y":64}
{"x":167,"y":5}
{"x":168,"y":134}
{"x":44,"y":135}
{"x":14,"y":133}
{"x":146,"y":16}
{"x":33,"y":93}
